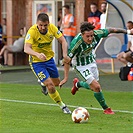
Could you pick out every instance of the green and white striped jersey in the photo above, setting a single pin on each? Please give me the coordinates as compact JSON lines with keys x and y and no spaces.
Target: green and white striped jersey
{"x":84,"y":53}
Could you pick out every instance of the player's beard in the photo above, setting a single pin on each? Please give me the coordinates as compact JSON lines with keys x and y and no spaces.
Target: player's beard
{"x":43,"y":31}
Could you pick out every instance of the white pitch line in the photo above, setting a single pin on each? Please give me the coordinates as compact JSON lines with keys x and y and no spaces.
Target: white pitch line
{"x":50,"y":104}
{"x":18,"y":81}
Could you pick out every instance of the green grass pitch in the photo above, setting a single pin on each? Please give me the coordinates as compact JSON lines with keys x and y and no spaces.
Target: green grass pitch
{"x":24,"y":109}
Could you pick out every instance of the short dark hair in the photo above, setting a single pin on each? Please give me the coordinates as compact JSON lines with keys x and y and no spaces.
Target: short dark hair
{"x":86,"y":26}
{"x":21,"y":28}
{"x":43,"y":17}
{"x":66,"y":6}
{"x":130,"y":22}
{"x":104,"y":2}
{"x":93,"y":3}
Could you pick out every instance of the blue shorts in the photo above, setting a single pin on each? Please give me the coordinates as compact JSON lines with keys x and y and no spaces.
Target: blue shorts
{"x":44,"y":70}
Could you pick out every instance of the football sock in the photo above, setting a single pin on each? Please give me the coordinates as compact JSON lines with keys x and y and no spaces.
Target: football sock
{"x":83,"y":84}
{"x":100,"y":98}
{"x":56,"y":97}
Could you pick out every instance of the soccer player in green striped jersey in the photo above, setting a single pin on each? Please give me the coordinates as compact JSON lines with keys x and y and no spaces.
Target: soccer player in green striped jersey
{"x":82,"y":52}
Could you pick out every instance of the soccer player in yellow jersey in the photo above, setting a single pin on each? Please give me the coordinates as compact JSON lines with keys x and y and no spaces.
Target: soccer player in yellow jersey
{"x":38,"y":44}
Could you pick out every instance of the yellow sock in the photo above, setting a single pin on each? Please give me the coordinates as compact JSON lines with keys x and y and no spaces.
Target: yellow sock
{"x":56,"y":97}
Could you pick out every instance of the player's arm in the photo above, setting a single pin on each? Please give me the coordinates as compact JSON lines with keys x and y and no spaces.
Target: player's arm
{"x":66,"y":72}
{"x":28,"y":49}
{"x":64,"y":46}
{"x":66,"y":67}
{"x":119,"y":30}
{"x":71,"y":54}
{"x":129,"y":55}
{"x":66,"y":60}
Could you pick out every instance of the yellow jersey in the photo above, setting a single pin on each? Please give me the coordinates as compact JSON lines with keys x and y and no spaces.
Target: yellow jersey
{"x":42,"y":43}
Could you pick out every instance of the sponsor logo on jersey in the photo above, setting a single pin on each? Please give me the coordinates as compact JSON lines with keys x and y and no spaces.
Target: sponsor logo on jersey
{"x":51,"y":37}
{"x":41,"y":45}
{"x":58,"y":32}
{"x":87,"y":51}
{"x":28,"y":37}
{"x":70,"y":54}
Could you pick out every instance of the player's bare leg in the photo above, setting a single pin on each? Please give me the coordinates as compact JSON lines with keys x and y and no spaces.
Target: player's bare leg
{"x":128,"y":56}
{"x":95,"y":86}
{"x":53,"y":93}
{"x":121,"y":58}
{"x":44,"y":89}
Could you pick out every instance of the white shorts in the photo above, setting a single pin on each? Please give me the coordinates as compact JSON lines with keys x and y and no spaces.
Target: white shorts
{"x":87,"y":73}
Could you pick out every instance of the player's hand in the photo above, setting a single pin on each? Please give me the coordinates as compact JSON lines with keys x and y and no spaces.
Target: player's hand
{"x":62,"y":83}
{"x":42,"y":56}
{"x":67,"y":59}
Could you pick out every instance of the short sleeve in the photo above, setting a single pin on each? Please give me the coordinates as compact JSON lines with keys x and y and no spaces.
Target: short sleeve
{"x":74,"y":45}
{"x":101,"y":33}
{"x":71,"y":19}
{"x":29,"y":37}
{"x":57,"y":32}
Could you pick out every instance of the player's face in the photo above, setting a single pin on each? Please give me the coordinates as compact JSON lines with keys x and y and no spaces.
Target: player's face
{"x":42,"y":26}
{"x":66,"y":11}
{"x":93,"y":8}
{"x":103,"y":7}
{"x":88,"y":36}
{"x":129,"y":26}
{"x":21,"y":32}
